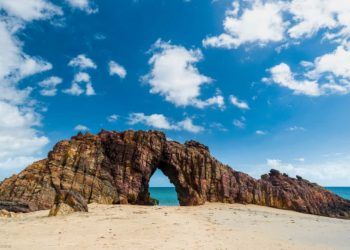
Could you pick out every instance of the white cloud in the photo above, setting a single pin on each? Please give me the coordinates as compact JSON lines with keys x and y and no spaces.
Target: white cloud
{"x":48,"y":92}
{"x":112,"y":118}
{"x":239,"y":123}
{"x":82,"y":62}
{"x":261,"y":132}
{"x":159,"y":121}
{"x":311,"y":16}
{"x":239,"y":104}
{"x":283,"y":76}
{"x":291,"y":22}
{"x":336,"y":63}
{"x":116,"y":69}
{"x":81,"y":128}
{"x":89,"y":89}
{"x":188,"y":125}
{"x":260,"y":23}
{"x":17,"y":162}
{"x":174,"y":75}
{"x":29,"y":10}
{"x":218,"y":126}
{"x":31,"y":66}
{"x":49,"y":86}
{"x":84,"y":5}
{"x":328,"y":74}
{"x":20,"y":140}
{"x":76,"y":89}
{"x":329,"y":173}
{"x":82,"y":77}
{"x":14,"y":64}
{"x":281,"y":21}
{"x":296,"y":128}
{"x":217,"y":100}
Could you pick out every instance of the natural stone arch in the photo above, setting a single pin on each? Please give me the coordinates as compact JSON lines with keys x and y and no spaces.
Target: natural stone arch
{"x":185,"y":193}
{"x":115,"y":168}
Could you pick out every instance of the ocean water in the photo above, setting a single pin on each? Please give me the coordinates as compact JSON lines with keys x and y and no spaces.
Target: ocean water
{"x":341,"y":191}
{"x":167,"y":196}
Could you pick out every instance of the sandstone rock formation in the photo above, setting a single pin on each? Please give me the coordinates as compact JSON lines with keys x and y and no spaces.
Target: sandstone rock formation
{"x":67,"y":202}
{"x":6,"y":214}
{"x":115,"y":168}
{"x":15,"y":206}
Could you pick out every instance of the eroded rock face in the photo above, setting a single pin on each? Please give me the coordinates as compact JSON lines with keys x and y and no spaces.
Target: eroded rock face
{"x":115,"y":168}
{"x":68,"y":201}
{"x":15,"y":206}
{"x":6,"y":214}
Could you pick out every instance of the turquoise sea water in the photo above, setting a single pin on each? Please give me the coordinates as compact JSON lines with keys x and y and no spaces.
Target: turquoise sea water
{"x":167,"y":195}
{"x":341,"y":191}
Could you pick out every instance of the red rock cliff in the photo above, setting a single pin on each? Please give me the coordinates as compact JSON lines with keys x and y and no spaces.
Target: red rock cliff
{"x":115,"y":168}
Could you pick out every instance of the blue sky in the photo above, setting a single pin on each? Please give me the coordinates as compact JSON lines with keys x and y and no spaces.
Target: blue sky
{"x":263,"y":83}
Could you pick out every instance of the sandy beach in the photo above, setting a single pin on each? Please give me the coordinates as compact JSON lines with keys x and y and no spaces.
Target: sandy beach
{"x":212,"y":226}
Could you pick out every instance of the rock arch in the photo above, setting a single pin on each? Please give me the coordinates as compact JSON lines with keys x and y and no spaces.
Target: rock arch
{"x":115,"y":168}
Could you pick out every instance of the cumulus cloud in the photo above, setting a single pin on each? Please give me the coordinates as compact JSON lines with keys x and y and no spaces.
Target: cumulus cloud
{"x":241,"y":29}
{"x":82,"y":77}
{"x":14,"y":64}
{"x":159,"y":121}
{"x":90,"y":89}
{"x":20,"y":140}
{"x":218,"y":126}
{"x":336,"y":63}
{"x":261,"y":132}
{"x":283,"y":76}
{"x":49,"y":86}
{"x":76,"y":89}
{"x":112,"y":118}
{"x":217,"y":100}
{"x":116,"y":69}
{"x":239,"y":123}
{"x":29,"y":10}
{"x":84,"y":5}
{"x":327,"y":74}
{"x":174,"y":75}
{"x":290,"y":22}
{"x":188,"y":125}
{"x":82,"y":62}
{"x":81,"y":128}
{"x":279,"y":21}
{"x":239,"y":104}
{"x":327,"y":173}
{"x":18,"y":137}
{"x":311,"y":16}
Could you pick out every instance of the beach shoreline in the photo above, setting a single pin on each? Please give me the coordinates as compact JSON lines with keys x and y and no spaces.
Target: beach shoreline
{"x":211,"y":226}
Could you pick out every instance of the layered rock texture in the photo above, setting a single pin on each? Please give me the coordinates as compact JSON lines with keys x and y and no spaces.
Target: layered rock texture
{"x":115,"y":168}
{"x":68,"y":201}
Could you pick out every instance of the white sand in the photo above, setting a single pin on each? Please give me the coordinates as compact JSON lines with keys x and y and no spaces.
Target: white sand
{"x":213,"y":226}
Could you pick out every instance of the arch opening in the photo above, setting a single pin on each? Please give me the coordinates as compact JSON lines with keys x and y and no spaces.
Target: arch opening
{"x":161,"y":189}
